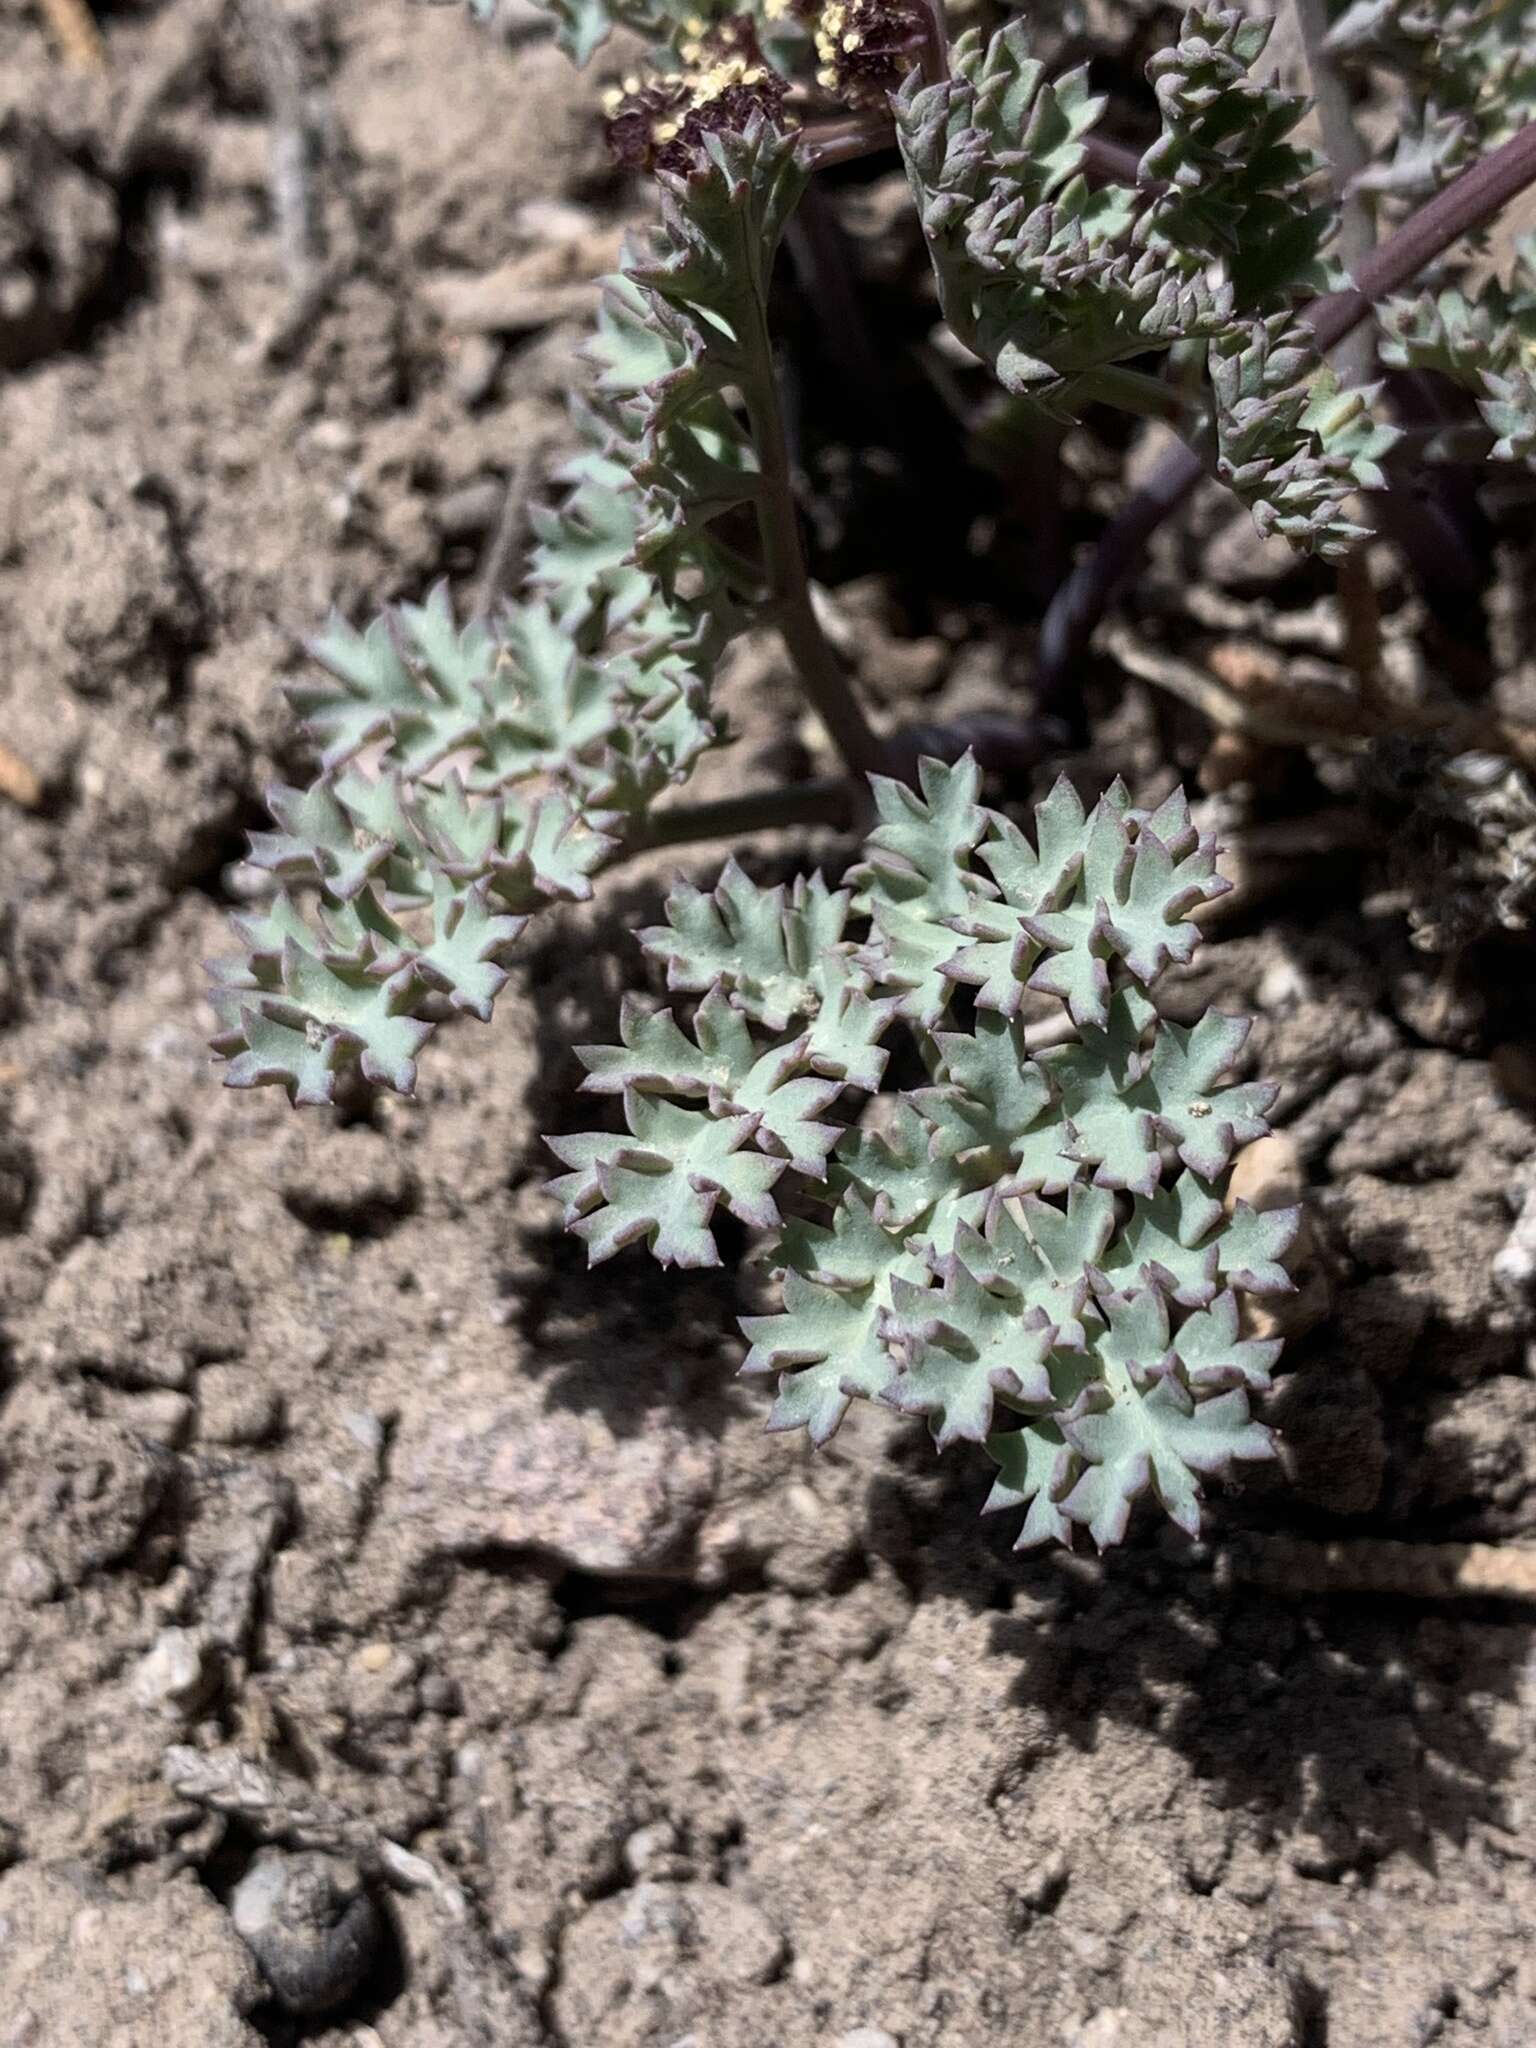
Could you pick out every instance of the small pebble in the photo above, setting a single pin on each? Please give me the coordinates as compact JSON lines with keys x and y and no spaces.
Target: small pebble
{"x":333,"y":437}
{"x":85,"y":1927}
{"x":30,"y":1579}
{"x":366,"y":1427}
{"x":177,"y":1674}
{"x":553,"y":220}
{"x":1514,"y":1266}
{"x":440,"y":1694}
{"x":1280,"y":985}
{"x":1106,"y":2028}
{"x":246,"y":882}
{"x":476,"y":366}
{"x":161,"y":1417}
{"x":646,"y":1845}
{"x":311,"y":1925}
{"x":466,"y":513}
{"x":1266,"y":1174}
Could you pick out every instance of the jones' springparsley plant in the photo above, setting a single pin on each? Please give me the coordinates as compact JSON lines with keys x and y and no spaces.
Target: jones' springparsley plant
{"x":1033,"y":1249}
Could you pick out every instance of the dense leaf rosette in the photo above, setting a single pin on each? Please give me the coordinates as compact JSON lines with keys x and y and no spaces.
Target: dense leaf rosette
{"x":1032,"y":1251}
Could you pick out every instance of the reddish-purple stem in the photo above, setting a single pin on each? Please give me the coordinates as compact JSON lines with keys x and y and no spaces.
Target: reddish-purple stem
{"x":935,"y":53}
{"x":1465,"y":205}
{"x":845,"y":138}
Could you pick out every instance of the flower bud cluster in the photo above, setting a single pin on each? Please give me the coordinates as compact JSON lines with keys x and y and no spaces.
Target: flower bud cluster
{"x":657,"y":121}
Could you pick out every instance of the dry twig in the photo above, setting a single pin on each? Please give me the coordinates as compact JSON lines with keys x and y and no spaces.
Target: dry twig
{"x":73,"y":27}
{"x":296,"y":144}
{"x":1465,"y":205}
{"x":1288,"y":712}
{"x":1368,"y":1564}
{"x":499,"y":564}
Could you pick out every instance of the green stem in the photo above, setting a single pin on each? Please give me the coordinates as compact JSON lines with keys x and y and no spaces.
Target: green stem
{"x":1134,"y":391}
{"x":863,"y":751}
{"x":1347,"y":158}
{"x":824,"y":802}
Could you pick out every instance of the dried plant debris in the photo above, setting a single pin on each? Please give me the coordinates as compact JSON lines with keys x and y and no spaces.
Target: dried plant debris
{"x":1463,"y":842}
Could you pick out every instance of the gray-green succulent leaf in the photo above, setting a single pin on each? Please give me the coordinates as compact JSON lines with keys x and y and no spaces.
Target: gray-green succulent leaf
{"x":1056,"y":284}
{"x":1032,"y":1251}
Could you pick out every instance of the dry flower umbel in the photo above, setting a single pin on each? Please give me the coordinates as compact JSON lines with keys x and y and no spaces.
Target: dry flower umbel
{"x":657,"y":120}
{"x":865,"y":49}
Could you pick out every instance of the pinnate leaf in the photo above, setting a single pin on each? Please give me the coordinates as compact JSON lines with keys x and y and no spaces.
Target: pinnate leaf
{"x":1031,"y":1252}
{"x":765,"y":948}
{"x":1091,"y":893}
{"x":960,"y":1346}
{"x":913,"y":881}
{"x":662,"y":1183}
{"x":827,"y":1343}
{"x":1182,"y":1240}
{"x":994,"y":1111}
{"x":1142,"y":1427}
{"x":1035,"y":1467}
{"x":1203,"y":1120}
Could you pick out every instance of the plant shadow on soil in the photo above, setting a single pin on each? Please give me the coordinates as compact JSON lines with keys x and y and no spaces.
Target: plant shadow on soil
{"x":666,"y":1327}
{"x":576,"y":1319}
{"x":1355,"y":1726}
{"x":1335,"y":1722}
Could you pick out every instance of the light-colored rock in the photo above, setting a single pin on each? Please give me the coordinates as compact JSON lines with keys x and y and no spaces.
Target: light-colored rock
{"x":1267,"y":1174}
{"x":664,"y":1954}
{"x":742,"y":1943}
{"x":1515,"y":1266}
{"x":30,"y":1579}
{"x":160,"y":1417}
{"x":649,"y":1846}
{"x":81,"y":1965}
{"x":176,"y":1675}
{"x":310,"y":1923}
{"x":493,"y":1462}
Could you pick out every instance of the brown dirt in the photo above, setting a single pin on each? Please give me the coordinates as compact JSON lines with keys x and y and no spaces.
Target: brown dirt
{"x":343,"y":1510}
